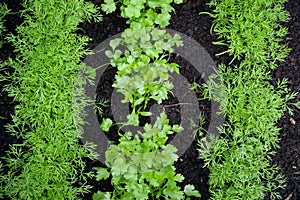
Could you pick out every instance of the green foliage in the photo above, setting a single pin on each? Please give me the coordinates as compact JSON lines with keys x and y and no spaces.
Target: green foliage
{"x":141,"y":165}
{"x":253,"y":24}
{"x":3,"y":12}
{"x":100,"y":105}
{"x":143,"y":13}
{"x":45,"y":82}
{"x":239,"y":160}
{"x":143,"y":71}
{"x":106,"y":124}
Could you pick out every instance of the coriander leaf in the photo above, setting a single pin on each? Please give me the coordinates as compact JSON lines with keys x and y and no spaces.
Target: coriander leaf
{"x":178,"y":1}
{"x":179,"y":178}
{"x":109,"y":54}
{"x":176,"y":128}
{"x":102,"y":173}
{"x":133,"y":119}
{"x":190,"y":190}
{"x":101,"y":196}
{"x":163,"y":19}
{"x":109,"y":6}
{"x":131,"y":11}
{"x":114,"y":43}
{"x":106,"y":124}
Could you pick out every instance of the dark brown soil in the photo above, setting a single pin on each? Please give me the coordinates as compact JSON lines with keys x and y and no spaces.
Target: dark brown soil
{"x":188,"y":21}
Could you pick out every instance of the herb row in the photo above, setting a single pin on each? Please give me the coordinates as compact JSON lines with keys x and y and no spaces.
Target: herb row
{"x":141,"y":164}
{"x":239,"y":160}
{"x":48,"y":164}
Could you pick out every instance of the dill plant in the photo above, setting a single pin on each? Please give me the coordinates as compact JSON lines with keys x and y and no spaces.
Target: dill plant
{"x":239,"y":160}
{"x":3,"y":12}
{"x":251,"y":30}
{"x":48,"y":164}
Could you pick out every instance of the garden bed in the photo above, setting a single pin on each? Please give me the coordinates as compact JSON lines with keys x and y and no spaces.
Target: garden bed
{"x":188,"y":21}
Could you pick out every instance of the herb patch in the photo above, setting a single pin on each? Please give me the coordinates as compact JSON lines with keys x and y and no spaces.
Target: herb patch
{"x":197,"y":26}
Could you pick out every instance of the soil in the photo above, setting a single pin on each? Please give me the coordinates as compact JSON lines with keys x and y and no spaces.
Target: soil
{"x":188,"y":21}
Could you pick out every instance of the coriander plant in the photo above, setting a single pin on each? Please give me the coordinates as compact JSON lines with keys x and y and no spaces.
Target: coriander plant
{"x":143,"y":70}
{"x":141,"y":166}
{"x":143,"y":13}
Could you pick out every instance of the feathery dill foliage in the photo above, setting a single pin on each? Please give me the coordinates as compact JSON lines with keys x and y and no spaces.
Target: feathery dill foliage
{"x":239,"y":160}
{"x":3,"y":12}
{"x":251,"y":29}
{"x":48,"y":163}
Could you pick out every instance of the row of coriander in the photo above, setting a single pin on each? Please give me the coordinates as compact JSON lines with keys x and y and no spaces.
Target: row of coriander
{"x":239,"y":161}
{"x":141,"y":164}
{"x":48,"y":164}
